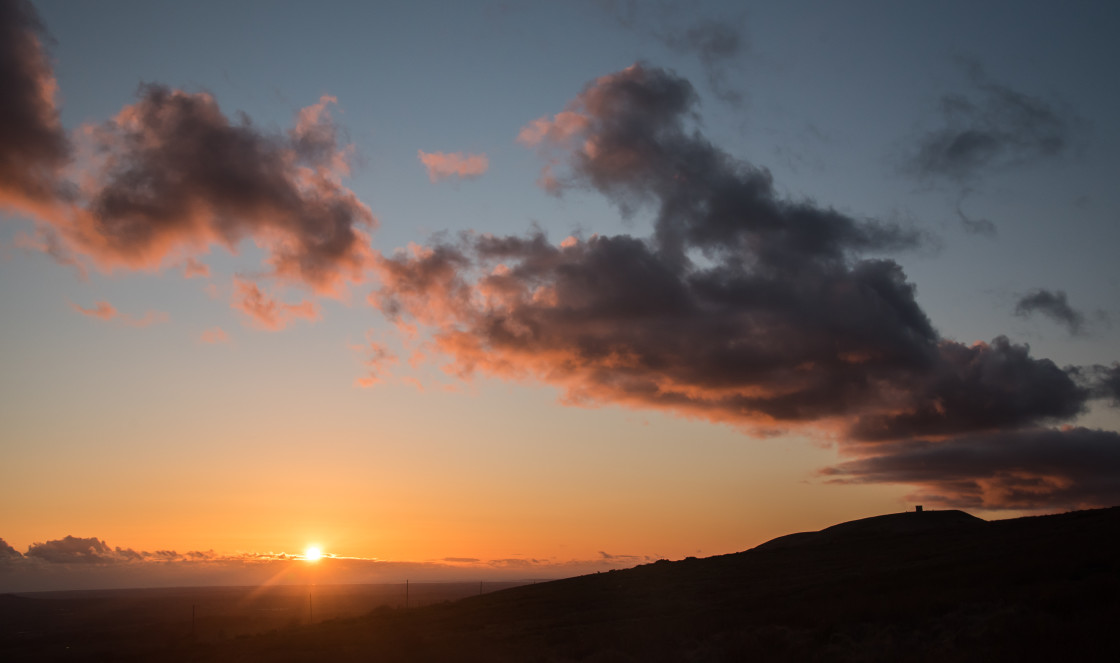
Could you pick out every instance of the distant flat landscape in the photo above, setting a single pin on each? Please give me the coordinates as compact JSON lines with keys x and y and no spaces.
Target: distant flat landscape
{"x":929,"y":586}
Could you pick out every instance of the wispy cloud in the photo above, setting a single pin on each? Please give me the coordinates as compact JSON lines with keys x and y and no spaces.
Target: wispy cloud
{"x":989,"y":128}
{"x":106,"y":311}
{"x":718,"y":42}
{"x":376,"y":360}
{"x":1052,"y":304}
{"x":266,"y":312}
{"x":214,"y":336}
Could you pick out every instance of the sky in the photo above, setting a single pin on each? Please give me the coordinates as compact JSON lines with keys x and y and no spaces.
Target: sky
{"x":529,"y":289}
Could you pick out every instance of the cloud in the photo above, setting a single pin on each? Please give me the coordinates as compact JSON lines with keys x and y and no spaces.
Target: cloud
{"x":1105,"y":382}
{"x":176,"y":176}
{"x":1052,"y":304}
{"x":33,"y":146}
{"x":193,"y":268}
{"x":741,"y":306}
{"x":90,"y":563}
{"x":442,"y":165}
{"x":106,"y":311}
{"x":265,"y":312}
{"x":1028,"y":469}
{"x":791,"y":319}
{"x":974,"y":225}
{"x":47,"y":241}
{"x":718,"y":43}
{"x":76,"y":550}
{"x":7,"y":552}
{"x":991,"y":127}
{"x":102,"y":310}
{"x":377,"y":359}
{"x":621,"y":558}
{"x":214,"y":336}
{"x":976,"y":388}
{"x":170,"y":176}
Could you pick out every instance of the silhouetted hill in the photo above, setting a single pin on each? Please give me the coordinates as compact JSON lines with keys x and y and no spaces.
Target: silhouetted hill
{"x":876,"y":526}
{"x":940,"y":587}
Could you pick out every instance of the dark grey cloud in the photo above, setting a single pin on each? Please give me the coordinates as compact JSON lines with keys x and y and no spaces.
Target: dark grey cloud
{"x":7,"y":552}
{"x":33,"y":145}
{"x":621,"y":558}
{"x":1026,"y":469}
{"x":1105,"y":382}
{"x":74,"y":550}
{"x":1052,"y":304}
{"x":977,"y":388}
{"x":742,"y":306}
{"x":990,"y":127}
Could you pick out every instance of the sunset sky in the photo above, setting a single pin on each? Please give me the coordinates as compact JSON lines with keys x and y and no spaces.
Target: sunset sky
{"x":530,"y":289}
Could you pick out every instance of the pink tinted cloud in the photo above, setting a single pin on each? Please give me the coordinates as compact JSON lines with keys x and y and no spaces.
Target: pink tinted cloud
{"x":194,"y":268}
{"x":106,"y":311}
{"x":170,"y":176}
{"x":377,"y":358}
{"x":562,"y":127}
{"x":266,"y":312}
{"x":442,"y":165}
{"x":174,"y":177}
{"x":102,"y":310}
{"x":214,"y":336}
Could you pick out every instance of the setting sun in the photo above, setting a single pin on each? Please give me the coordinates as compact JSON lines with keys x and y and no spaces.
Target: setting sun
{"x":312,"y":554}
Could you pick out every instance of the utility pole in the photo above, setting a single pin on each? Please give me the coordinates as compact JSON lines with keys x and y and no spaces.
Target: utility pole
{"x":406,"y":594}
{"x":310,"y":611}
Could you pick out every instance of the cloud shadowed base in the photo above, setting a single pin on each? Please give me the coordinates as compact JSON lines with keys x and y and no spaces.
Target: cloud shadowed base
{"x":1062,"y":469}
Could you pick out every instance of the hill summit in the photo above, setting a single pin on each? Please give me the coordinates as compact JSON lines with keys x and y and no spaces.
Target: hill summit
{"x":911,"y":522}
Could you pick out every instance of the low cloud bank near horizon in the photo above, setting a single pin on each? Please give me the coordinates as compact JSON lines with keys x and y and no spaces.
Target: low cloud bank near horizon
{"x":74,"y":563}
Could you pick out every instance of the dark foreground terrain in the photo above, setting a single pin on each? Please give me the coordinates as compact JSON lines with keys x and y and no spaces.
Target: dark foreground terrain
{"x":932,"y":586}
